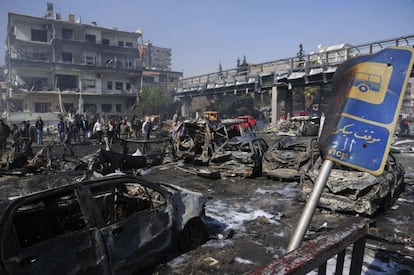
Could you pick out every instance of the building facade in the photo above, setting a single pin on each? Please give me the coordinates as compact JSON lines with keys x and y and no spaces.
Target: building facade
{"x":56,"y":66}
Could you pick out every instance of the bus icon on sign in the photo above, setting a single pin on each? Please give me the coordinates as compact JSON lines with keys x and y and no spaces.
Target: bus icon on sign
{"x":370,"y":82}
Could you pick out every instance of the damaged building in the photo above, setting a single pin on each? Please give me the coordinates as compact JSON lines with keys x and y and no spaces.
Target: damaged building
{"x":54,"y":66}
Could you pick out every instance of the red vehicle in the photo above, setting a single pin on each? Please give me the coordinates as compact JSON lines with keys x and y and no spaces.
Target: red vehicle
{"x":249,"y":121}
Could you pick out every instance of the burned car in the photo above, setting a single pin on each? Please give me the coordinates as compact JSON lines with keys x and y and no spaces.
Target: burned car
{"x":193,"y":141}
{"x":290,"y":157}
{"x":359,"y":192}
{"x":196,"y":140}
{"x":239,"y":156}
{"x":80,"y":223}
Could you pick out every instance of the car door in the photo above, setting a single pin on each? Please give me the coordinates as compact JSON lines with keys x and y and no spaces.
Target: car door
{"x":50,"y":234}
{"x":137,"y":223}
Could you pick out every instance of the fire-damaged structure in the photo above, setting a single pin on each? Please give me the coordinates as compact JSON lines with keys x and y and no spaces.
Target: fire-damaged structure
{"x":196,"y":140}
{"x":83,"y":223}
{"x":290,"y":157}
{"x":359,"y":192}
{"x":239,"y":156}
{"x":56,"y":65}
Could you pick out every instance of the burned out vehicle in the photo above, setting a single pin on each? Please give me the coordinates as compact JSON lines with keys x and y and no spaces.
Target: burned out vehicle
{"x":80,"y":223}
{"x":193,"y":141}
{"x":359,"y":192}
{"x":239,"y":156}
{"x":196,"y":140}
{"x":290,"y":157}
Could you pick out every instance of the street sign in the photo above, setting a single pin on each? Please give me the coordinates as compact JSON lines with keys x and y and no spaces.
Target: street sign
{"x":361,"y":121}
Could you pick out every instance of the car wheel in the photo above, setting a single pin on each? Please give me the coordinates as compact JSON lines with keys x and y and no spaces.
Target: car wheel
{"x":193,"y":235}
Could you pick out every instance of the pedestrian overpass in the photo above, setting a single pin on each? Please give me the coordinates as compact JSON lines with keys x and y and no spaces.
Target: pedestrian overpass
{"x":283,"y":74}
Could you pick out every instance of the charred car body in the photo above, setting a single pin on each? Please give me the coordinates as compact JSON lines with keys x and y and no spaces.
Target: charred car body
{"x":77,"y":223}
{"x":349,"y":190}
{"x":290,"y":157}
{"x":196,"y":140}
{"x":239,"y":156}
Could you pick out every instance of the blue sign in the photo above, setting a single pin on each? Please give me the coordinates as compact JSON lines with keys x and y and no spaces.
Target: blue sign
{"x":370,"y":90}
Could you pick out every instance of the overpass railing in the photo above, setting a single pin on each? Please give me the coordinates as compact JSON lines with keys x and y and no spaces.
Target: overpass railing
{"x":324,"y":61}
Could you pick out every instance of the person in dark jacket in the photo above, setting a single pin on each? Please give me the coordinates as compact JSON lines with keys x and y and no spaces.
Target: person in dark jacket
{"x":39,"y":130}
{"x":4,"y":134}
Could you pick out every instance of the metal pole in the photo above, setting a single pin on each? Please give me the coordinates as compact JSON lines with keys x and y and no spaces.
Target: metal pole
{"x":310,"y":206}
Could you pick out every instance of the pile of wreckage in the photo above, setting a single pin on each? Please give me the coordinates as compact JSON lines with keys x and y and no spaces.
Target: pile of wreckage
{"x":219,"y":149}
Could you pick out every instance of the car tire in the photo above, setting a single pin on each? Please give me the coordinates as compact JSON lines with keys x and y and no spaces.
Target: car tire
{"x":193,"y":235}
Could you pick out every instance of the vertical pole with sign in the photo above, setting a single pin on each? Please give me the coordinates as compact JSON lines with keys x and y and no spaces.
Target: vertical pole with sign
{"x":361,"y":120}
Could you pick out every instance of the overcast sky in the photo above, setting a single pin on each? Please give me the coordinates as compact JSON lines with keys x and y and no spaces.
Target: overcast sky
{"x":204,"y":33}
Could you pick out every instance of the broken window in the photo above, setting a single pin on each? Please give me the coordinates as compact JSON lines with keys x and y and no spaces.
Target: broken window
{"x":66,"y":82}
{"x":42,"y":107}
{"x":39,"y":35}
{"x":88,"y":83}
{"x":109,"y":85}
{"x":67,"y":34}
{"x":118,"y":201}
{"x":35,"y":83}
{"x":106,"y":108}
{"x":128,"y":86}
{"x":121,"y":43}
{"x":15,"y":105}
{"x":48,"y":217}
{"x":67,"y":57}
{"x":128,"y":44}
{"x":118,"y":108}
{"x":105,"y":41}
{"x":90,"y":60}
{"x":90,"y":38}
{"x":118,"y":85}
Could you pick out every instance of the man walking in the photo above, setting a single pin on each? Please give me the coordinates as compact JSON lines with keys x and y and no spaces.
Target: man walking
{"x":39,"y":129}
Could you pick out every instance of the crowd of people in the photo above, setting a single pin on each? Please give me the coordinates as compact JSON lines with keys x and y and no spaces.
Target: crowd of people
{"x":75,"y":129}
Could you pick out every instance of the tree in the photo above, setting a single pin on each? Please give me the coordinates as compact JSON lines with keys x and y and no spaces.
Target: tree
{"x":153,"y":101}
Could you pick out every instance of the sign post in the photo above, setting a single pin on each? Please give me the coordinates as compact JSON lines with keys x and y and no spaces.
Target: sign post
{"x":360,"y":123}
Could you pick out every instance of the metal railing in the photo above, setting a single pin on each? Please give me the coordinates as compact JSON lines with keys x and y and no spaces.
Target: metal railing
{"x":325,"y":60}
{"x":314,"y":254}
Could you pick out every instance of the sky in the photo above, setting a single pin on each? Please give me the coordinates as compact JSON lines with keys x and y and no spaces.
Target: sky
{"x":206,"y":33}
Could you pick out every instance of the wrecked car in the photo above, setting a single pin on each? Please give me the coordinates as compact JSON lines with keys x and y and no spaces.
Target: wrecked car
{"x":193,"y":141}
{"x":82,"y":223}
{"x":290,"y":157}
{"x":196,"y":140}
{"x":248,"y":121}
{"x":239,"y":156}
{"x":348,"y":190}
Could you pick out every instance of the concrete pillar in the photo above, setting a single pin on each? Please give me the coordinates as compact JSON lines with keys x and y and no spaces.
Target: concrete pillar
{"x":275,"y":110}
{"x":185,"y":108}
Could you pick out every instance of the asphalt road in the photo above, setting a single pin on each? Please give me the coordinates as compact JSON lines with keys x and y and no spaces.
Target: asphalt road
{"x":251,"y":221}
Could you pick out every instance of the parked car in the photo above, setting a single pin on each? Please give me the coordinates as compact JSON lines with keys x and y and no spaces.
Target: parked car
{"x":239,"y":156}
{"x":359,"y":192}
{"x":290,"y":157}
{"x":77,"y":223}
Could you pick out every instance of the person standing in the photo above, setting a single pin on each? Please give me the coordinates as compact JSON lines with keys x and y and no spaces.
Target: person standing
{"x":85,"y":128}
{"x":67,"y":145}
{"x":136,"y":127}
{"x":61,"y":129}
{"x":98,"y":130}
{"x":39,"y":130}
{"x":146,"y":128}
{"x":4,"y":134}
{"x":124,"y":130}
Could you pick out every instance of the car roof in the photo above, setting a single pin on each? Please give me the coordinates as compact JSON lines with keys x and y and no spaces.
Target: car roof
{"x":14,"y":188}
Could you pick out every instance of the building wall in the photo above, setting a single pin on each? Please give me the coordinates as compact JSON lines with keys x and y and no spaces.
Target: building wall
{"x":70,"y":66}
